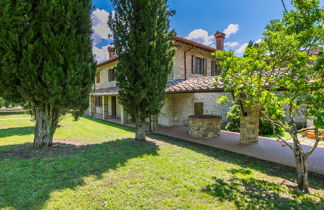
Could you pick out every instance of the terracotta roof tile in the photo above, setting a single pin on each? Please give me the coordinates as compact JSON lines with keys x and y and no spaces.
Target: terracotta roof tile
{"x":106,"y":91}
{"x":196,"y":44}
{"x":106,"y":62}
{"x":201,"y":84}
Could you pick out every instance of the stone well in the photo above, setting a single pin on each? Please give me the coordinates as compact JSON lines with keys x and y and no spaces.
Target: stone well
{"x":204,"y":126}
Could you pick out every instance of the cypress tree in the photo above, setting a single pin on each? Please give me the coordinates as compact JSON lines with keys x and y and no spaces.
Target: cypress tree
{"x":142,"y":40}
{"x":46,"y":60}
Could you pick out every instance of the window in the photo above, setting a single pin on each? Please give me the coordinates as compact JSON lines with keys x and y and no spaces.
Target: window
{"x":111,"y":75}
{"x":98,"y":101}
{"x":199,"y":108}
{"x":98,"y":77}
{"x":199,"y":65}
{"x":215,"y":69}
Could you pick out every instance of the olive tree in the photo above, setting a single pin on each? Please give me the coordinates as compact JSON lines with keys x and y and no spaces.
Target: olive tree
{"x":281,"y":75}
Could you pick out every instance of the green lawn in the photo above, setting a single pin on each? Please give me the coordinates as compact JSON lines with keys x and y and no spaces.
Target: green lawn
{"x":96,"y":164}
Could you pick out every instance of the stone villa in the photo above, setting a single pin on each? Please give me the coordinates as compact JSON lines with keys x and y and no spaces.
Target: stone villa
{"x":190,"y":90}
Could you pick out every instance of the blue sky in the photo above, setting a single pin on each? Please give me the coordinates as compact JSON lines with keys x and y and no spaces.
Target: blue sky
{"x":198,"y":20}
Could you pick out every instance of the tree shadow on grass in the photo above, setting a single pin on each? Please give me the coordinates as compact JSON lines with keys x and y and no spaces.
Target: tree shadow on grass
{"x":272,"y":169}
{"x":18,"y":131}
{"x":249,"y":193}
{"x":26,"y":180}
{"x":115,"y":125}
{"x":14,"y":112}
{"x":243,"y":161}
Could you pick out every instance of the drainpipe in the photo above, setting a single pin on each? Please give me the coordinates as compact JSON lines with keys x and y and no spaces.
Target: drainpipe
{"x":241,"y":105}
{"x":185,"y":61}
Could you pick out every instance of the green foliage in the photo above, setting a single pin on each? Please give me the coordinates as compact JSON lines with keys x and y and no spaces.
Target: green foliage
{"x":145,"y":52}
{"x":280,"y":61}
{"x":283,"y":61}
{"x":234,"y":118}
{"x":6,"y":103}
{"x":265,"y":127}
{"x":45,"y":53}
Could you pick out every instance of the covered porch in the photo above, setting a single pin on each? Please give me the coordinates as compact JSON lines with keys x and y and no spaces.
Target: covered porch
{"x":104,"y":104}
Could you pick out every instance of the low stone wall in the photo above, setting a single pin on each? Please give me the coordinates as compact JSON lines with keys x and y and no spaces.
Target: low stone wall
{"x":204,"y":126}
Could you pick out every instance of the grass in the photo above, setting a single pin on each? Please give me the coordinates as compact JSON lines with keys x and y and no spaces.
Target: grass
{"x":97,"y":165}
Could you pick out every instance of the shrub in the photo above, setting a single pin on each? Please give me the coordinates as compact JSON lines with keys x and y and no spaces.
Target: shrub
{"x":234,"y":122}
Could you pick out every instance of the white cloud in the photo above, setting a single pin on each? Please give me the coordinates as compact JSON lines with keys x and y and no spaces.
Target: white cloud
{"x":100,"y":33}
{"x":231,"y":29}
{"x":258,"y":41}
{"x":201,"y":36}
{"x":242,"y":48}
{"x":99,"y":25}
{"x":231,"y":44}
{"x":101,"y":54}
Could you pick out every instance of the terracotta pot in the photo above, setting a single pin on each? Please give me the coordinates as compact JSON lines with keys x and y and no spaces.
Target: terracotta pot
{"x":305,"y":133}
{"x":311,"y":135}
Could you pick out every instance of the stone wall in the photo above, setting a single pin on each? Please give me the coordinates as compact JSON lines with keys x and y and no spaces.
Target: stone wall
{"x":300,"y":119}
{"x":249,"y":126}
{"x":211,"y":107}
{"x":178,"y":71}
{"x":206,"y":126}
{"x":178,"y":107}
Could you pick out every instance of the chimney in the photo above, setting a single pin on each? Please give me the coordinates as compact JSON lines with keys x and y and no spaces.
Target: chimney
{"x":219,"y":36}
{"x":111,"y":52}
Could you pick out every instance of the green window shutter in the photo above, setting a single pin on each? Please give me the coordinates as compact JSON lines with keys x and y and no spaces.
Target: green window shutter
{"x":199,"y":108}
{"x":193,"y":65}
{"x":205,"y":67}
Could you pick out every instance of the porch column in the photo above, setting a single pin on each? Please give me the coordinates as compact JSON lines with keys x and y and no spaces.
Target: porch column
{"x":153,"y":122}
{"x":103,"y":106}
{"x":123,"y":115}
{"x":249,"y":125}
{"x":90,"y":105}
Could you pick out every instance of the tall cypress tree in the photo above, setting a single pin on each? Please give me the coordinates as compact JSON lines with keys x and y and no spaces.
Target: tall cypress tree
{"x":142,"y":40}
{"x":46,"y":60}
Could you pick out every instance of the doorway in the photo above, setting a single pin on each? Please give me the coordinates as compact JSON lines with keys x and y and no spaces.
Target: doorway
{"x":113,"y":106}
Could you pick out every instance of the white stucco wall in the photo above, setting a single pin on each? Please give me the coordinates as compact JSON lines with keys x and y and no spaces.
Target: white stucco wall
{"x":104,"y":81}
{"x":98,"y":110}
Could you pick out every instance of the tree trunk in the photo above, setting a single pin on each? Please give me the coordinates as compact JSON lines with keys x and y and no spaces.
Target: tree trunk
{"x":140,"y":131}
{"x":302,"y":172}
{"x":301,"y":162}
{"x":46,"y":122}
